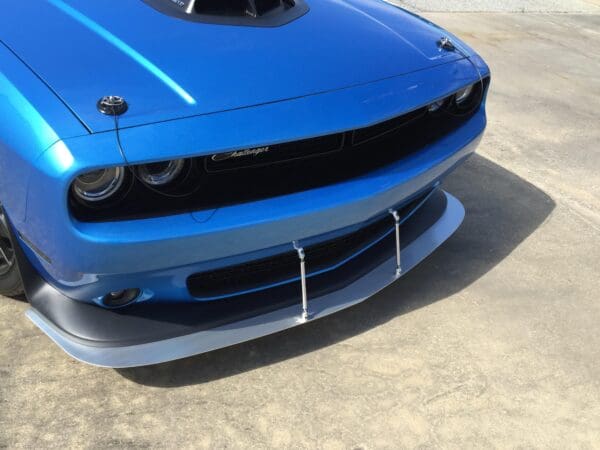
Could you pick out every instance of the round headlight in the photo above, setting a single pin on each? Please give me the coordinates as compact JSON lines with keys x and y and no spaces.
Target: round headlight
{"x":161,"y":173}
{"x":99,"y":185}
{"x":463,"y":96}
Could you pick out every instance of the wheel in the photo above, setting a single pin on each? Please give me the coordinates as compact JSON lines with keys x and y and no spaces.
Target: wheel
{"x":11,"y":284}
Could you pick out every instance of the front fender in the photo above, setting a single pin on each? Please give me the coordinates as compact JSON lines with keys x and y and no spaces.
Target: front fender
{"x":33,"y":119}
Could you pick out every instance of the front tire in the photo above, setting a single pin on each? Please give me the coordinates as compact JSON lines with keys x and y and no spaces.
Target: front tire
{"x":11,"y":284}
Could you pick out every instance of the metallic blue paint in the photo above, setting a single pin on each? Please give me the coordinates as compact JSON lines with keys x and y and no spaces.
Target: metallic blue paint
{"x":221,"y":67}
{"x":205,"y":89}
{"x":118,"y":43}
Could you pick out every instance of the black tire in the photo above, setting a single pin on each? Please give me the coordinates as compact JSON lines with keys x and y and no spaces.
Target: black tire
{"x":11,"y":284}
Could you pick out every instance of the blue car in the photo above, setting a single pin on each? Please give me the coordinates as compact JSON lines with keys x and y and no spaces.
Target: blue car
{"x":178,"y":176}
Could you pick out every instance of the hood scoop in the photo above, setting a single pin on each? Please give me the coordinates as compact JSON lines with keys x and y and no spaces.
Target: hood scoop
{"x":257,"y":13}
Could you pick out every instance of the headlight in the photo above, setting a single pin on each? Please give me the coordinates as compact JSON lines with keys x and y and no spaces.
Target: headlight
{"x":99,"y":185}
{"x":161,"y":173}
{"x":463,"y":96}
{"x":436,"y":106}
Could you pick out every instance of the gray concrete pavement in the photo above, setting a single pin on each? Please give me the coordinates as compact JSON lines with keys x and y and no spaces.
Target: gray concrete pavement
{"x":556,"y":6}
{"x":491,"y":342}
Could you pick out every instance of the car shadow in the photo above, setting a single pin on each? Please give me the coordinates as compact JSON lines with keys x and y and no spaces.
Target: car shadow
{"x":502,"y":211}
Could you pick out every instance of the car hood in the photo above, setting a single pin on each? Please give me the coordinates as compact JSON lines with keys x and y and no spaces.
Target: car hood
{"x":167,"y":68}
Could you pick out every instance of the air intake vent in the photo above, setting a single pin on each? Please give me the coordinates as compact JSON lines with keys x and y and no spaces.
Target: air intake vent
{"x":266,"y":13}
{"x":253,"y":8}
{"x":222,"y":7}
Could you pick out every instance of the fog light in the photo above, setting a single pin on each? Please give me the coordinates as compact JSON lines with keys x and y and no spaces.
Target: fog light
{"x":118,"y":299}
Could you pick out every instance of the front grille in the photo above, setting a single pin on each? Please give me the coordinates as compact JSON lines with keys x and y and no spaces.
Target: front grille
{"x":379,"y":130}
{"x":257,"y":173}
{"x":274,"y":154}
{"x":283,"y":268}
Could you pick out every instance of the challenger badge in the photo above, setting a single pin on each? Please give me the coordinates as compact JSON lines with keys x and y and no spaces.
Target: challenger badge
{"x":239,"y":153}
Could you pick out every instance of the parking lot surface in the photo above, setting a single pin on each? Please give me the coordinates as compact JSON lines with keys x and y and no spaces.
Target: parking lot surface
{"x":546,"y":6}
{"x":493,"y":341}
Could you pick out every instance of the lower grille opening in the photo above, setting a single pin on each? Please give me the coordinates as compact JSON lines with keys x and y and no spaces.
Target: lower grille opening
{"x":283,"y":268}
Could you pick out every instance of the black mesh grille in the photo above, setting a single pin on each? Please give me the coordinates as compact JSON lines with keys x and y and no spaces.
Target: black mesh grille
{"x":364,"y":135}
{"x":284,"y":267}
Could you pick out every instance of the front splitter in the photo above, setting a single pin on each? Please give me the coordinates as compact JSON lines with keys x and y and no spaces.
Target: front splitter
{"x":265,"y":324}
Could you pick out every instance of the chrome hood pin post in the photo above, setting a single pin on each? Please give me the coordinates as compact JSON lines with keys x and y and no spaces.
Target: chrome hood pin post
{"x":446,"y":43}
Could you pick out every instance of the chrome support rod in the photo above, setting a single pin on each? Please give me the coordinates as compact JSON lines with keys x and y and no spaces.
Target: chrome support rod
{"x":305,"y":313}
{"x":398,"y":260}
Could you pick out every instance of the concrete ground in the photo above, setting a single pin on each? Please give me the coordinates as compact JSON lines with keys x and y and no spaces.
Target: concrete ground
{"x":493,"y":341}
{"x":546,"y":6}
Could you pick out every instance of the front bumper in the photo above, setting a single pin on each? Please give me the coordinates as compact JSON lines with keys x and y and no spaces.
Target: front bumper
{"x":113,"y":338}
{"x":158,"y":255}
{"x":86,"y":260}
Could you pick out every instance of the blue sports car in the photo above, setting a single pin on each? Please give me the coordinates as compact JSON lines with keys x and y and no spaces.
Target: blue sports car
{"x":178,"y":176}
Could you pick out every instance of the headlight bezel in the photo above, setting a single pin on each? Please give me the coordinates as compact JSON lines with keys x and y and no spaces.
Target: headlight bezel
{"x":98,"y":188}
{"x":464,"y":95}
{"x":115,"y":187}
{"x":152,"y":176}
{"x":461,"y":102}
